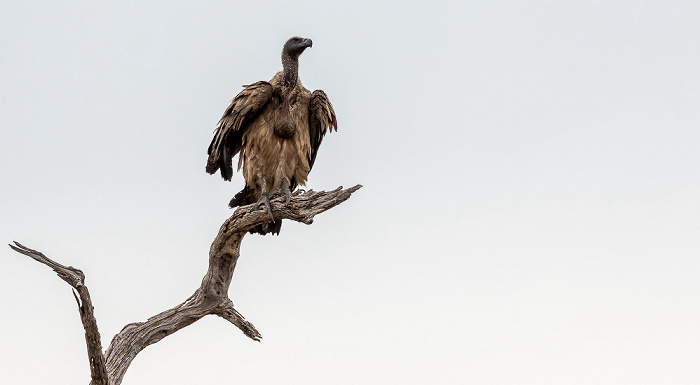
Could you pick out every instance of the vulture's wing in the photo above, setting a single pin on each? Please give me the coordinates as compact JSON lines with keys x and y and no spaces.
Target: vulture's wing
{"x":321,"y":120}
{"x":227,"y":136}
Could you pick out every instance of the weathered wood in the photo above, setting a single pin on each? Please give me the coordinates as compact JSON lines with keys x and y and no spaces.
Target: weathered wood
{"x":210,"y":298}
{"x":76,"y":278}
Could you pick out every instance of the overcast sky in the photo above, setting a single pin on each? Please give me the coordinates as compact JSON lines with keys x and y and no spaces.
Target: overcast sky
{"x":530,"y":211}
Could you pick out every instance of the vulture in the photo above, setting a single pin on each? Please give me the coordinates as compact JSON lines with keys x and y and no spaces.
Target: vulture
{"x":275,"y":128}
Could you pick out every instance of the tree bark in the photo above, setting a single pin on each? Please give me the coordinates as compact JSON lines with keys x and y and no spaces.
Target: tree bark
{"x":210,"y":298}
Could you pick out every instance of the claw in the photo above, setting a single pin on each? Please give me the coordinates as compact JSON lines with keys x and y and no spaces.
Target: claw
{"x":264,"y":200}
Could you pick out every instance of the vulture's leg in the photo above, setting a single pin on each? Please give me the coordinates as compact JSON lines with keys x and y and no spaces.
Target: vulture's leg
{"x":264,"y":198}
{"x":285,"y":191}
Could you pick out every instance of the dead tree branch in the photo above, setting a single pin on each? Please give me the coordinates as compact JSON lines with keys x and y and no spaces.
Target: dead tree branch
{"x":210,"y":298}
{"x":76,"y":278}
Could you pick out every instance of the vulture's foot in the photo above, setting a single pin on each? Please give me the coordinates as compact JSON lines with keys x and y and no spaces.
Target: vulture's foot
{"x":264,"y":200}
{"x":284,"y":191}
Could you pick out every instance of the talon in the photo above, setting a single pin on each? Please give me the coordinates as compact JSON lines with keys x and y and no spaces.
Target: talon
{"x":264,"y":200}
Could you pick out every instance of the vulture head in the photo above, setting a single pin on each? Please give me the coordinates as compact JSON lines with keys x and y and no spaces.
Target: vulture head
{"x":295,"y":46}
{"x":290,"y":59}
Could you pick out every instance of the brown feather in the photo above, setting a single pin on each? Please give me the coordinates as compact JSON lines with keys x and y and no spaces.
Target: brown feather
{"x":227,"y":136}
{"x":275,"y":128}
{"x":321,"y":120}
{"x":276,"y":158}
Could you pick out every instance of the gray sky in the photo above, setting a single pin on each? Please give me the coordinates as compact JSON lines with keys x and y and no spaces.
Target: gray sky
{"x":530,"y":212}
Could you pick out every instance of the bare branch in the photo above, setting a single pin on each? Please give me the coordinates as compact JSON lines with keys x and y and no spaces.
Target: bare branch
{"x":70,"y":274}
{"x":227,"y":312}
{"x":302,"y":208}
{"x":212,"y":295}
{"x":76,"y":278}
{"x":210,"y":298}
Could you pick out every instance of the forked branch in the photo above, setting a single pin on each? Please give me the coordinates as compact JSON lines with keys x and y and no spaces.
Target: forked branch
{"x":210,"y":298}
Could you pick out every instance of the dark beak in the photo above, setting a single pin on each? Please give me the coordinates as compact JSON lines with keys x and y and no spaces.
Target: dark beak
{"x":307,"y":42}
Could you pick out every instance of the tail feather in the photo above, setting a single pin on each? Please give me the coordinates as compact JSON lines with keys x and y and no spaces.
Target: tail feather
{"x":268,"y":228}
{"x":242,"y":198}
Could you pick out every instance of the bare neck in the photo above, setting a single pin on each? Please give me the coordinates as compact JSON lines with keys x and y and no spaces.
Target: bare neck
{"x":290,"y":66}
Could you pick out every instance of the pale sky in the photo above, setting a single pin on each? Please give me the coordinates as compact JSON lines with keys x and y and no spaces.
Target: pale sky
{"x":530,"y":211}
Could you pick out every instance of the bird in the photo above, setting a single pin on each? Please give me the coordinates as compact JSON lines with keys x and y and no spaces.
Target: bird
{"x":275,"y":127}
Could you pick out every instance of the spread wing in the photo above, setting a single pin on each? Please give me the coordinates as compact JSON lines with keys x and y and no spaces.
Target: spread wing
{"x":227,"y":136}
{"x":321,"y":120}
